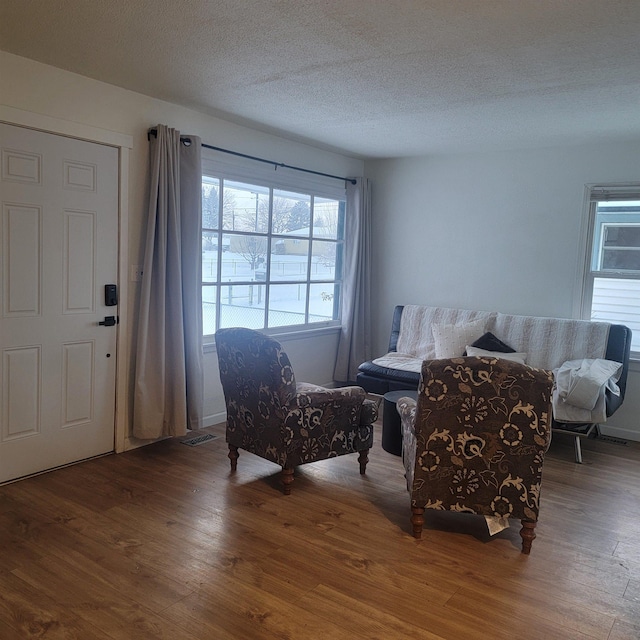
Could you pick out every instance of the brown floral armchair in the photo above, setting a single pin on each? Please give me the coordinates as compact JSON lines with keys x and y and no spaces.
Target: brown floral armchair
{"x":289,"y":423}
{"x":476,"y":438}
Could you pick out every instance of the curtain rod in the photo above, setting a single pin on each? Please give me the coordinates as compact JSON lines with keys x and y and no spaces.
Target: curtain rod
{"x":186,"y":140}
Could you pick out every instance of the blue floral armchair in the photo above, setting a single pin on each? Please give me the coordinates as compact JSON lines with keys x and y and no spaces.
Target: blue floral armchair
{"x":476,"y":438}
{"x":289,"y":423}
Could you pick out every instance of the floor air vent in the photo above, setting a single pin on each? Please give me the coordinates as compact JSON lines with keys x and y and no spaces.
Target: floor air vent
{"x":613,"y":440}
{"x":195,"y":441}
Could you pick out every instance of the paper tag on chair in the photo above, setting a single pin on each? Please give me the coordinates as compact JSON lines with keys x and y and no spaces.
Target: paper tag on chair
{"x":496,"y":524}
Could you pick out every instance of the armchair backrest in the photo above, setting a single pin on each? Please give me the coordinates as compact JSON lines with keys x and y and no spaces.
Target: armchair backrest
{"x":252,"y":361}
{"x":258,"y":384}
{"x":482,"y":427}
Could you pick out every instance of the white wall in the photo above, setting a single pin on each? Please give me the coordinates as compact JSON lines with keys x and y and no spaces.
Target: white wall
{"x":38,"y":88}
{"x":495,"y":231}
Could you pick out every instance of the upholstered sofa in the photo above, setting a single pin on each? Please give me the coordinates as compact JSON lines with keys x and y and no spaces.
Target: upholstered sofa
{"x":544,"y":343}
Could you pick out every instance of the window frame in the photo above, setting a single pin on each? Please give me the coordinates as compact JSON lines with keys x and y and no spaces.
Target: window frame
{"x":218,"y":167}
{"x":595,"y":193}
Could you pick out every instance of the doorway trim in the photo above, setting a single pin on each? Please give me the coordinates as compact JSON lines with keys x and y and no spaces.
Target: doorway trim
{"x":124,"y":143}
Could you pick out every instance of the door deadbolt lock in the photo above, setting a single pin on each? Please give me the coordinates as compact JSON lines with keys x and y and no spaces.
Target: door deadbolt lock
{"x":108,"y":321}
{"x":110,"y":295}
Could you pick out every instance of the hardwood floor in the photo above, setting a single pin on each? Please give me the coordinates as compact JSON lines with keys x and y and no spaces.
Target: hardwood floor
{"x":164,"y":543}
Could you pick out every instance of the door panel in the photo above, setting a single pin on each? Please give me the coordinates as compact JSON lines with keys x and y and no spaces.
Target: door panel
{"x":59,"y":247}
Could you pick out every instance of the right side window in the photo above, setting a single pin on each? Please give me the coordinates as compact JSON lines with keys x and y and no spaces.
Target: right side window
{"x":612,"y":277}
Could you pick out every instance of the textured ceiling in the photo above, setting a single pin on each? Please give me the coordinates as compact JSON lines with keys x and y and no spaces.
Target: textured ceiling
{"x":371,"y":78}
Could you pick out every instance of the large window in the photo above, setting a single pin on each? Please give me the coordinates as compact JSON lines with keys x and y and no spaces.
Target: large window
{"x":612,"y":281}
{"x":271,"y":256}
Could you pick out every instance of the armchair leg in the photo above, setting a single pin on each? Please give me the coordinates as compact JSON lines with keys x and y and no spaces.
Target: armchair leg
{"x":528,"y":535}
{"x":286,"y":479}
{"x":417,"y":520}
{"x":233,"y":456}
{"x":363,"y":458}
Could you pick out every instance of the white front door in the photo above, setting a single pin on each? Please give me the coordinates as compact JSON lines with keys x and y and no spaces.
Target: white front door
{"x":59,"y":243}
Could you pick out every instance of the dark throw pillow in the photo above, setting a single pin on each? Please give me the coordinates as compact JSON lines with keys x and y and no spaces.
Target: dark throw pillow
{"x":489,"y":342}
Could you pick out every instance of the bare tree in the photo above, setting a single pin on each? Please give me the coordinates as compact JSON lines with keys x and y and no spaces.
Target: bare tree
{"x":328,"y":220}
{"x":253,"y":249}
{"x":280,"y":215}
{"x":287,"y":214}
{"x":228,"y":208}
{"x":209,"y":206}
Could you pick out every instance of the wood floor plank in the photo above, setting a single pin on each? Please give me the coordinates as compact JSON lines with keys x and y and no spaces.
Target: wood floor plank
{"x":247,"y":612}
{"x":503,"y":604}
{"x":98,"y":603}
{"x":361,"y":619}
{"x":166,"y":542}
{"x":112,"y":569}
{"x":624,"y":631}
{"x":33,"y":614}
{"x":9,"y":633}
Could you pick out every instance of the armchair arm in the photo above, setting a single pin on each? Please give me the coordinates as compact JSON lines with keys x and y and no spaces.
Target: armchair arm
{"x":315,"y":406}
{"x":308,"y":389}
{"x":316,"y":396}
{"x":321,"y":422}
{"x":407,"y":409}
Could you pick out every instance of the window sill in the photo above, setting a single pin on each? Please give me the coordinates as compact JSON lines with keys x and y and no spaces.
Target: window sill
{"x":284,"y":334}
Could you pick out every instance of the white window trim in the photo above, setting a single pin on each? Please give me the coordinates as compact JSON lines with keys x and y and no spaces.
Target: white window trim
{"x":228,"y":167}
{"x":282,"y":334}
{"x":593,"y":194}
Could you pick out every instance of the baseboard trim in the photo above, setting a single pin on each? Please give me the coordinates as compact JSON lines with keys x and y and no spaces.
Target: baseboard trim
{"x":214,"y":418}
{"x":617,"y":432}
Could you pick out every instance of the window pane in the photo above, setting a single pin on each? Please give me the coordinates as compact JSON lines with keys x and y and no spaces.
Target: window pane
{"x":210,"y":202}
{"x":616,"y":236}
{"x":291,"y":213}
{"x":246,"y":255}
{"x":324,"y":302}
{"x":287,"y":304}
{"x":325,"y":218}
{"x":242,"y":305}
{"x":621,"y":246}
{"x":617,"y":300}
{"x":622,"y":236}
{"x":209,"y":266}
{"x":210,"y":248}
{"x":621,"y":259}
{"x":323,"y":260}
{"x":245,"y":207}
{"x":209,"y":310}
{"x":289,"y":259}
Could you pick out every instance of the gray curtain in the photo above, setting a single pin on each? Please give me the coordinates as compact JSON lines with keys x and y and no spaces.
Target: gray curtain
{"x":168,"y":396}
{"x":354,"y":347}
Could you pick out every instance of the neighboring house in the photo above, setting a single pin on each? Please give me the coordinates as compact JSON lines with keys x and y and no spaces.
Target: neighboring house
{"x":296,"y":243}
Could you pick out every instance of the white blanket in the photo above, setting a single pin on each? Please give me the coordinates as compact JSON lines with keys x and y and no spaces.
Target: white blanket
{"x":416,"y":336}
{"x":401,"y":361}
{"x":548,"y":342}
{"x":579,"y":393}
